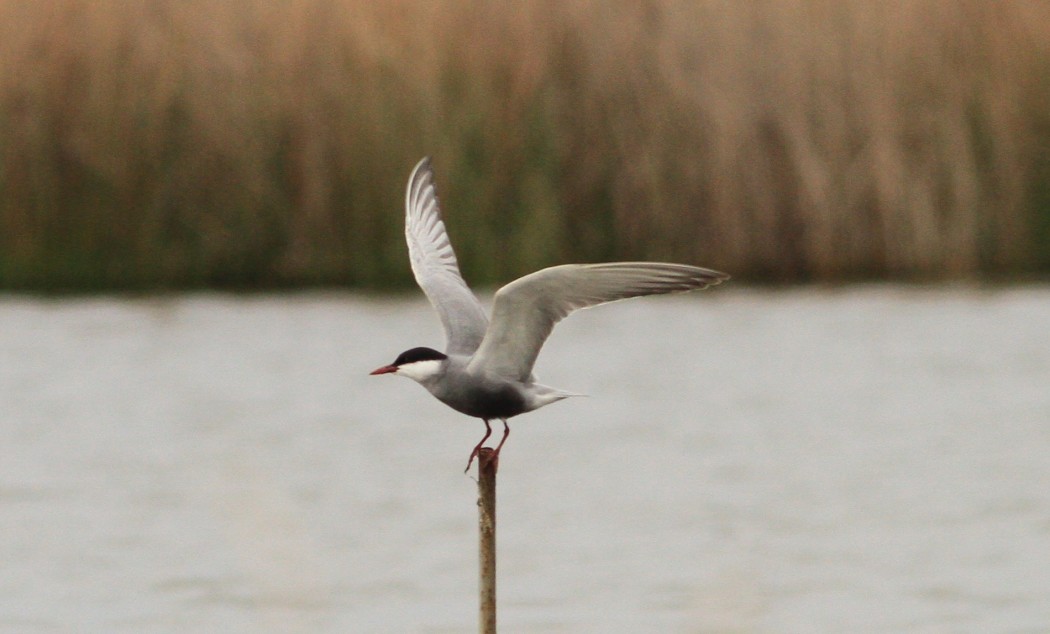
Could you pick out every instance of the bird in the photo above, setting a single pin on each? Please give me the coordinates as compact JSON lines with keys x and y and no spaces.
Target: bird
{"x":486,"y":368}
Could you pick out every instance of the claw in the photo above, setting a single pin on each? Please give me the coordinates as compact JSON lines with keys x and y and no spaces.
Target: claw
{"x":473,"y":454}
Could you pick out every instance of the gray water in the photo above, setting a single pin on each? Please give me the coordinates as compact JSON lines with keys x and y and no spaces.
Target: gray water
{"x":861,"y":460}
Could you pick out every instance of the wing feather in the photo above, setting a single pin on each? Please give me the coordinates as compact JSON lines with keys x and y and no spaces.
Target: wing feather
{"x":525,"y":311}
{"x":435,"y":267}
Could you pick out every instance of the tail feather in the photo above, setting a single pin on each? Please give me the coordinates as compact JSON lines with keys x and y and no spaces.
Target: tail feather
{"x":545,"y":395}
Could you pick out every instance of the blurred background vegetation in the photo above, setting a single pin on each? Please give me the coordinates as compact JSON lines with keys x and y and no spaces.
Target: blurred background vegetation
{"x":241,"y":144}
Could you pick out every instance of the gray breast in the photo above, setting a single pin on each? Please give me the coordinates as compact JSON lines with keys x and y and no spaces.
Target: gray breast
{"x":484,"y":399}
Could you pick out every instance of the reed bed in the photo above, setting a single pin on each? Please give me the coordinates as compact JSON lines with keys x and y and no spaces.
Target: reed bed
{"x":244,"y":144}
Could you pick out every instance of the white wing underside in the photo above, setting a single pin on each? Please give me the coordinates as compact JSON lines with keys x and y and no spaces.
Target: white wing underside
{"x":525,"y":311}
{"x":435,"y":268}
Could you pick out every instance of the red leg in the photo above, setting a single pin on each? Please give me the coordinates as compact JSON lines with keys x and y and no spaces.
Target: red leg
{"x":506,"y":432}
{"x":477,"y":448}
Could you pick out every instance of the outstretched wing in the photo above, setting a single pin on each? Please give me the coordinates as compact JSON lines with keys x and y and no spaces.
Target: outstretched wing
{"x":435,"y":267}
{"x":525,"y":311}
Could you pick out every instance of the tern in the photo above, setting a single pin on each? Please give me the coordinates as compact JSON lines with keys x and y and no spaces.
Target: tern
{"x":486,"y":369}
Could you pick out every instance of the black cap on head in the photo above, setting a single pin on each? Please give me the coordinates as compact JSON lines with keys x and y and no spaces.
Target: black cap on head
{"x":419,"y":354}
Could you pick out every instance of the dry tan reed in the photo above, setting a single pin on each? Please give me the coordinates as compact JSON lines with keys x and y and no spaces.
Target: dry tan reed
{"x":193,"y":142}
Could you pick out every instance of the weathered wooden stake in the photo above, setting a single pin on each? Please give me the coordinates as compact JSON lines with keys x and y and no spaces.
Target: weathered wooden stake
{"x":487,"y":539}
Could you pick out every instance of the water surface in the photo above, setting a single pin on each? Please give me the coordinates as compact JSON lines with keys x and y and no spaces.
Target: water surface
{"x":863,"y":460}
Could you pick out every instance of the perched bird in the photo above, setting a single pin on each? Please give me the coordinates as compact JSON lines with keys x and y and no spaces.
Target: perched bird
{"x":486,"y":369}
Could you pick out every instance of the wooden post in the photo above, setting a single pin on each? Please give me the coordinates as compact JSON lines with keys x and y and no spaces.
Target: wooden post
{"x":487,"y":539}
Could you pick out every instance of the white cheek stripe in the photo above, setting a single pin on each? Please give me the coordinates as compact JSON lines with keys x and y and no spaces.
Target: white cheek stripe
{"x":420,"y":370}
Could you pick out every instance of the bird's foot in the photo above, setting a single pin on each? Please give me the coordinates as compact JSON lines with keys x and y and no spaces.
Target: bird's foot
{"x":477,"y":447}
{"x":470,"y":461}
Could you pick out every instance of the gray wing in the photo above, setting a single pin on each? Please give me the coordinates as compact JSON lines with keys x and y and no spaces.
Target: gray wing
{"x":524,"y":312}
{"x":434,"y":265}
